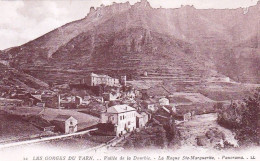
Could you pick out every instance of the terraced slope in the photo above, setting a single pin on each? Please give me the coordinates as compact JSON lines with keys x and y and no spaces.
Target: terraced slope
{"x":11,"y":78}
{"x":184,"y":44}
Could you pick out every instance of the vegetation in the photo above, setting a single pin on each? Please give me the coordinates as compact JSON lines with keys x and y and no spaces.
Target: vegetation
{"x":172,"y":133}
{"x":244,"y":118}
{"x":15,"y":128}
{"x":156,"y":136}
{"x":147,"y":138}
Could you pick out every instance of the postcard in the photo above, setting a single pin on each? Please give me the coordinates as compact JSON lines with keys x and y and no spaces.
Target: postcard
{"x":129,"y":80}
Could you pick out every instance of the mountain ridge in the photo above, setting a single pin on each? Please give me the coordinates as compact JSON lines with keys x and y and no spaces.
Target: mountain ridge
{"x":213,"y":38}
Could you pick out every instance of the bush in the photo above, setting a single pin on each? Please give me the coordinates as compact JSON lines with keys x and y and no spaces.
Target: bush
{"x":243,"y":117}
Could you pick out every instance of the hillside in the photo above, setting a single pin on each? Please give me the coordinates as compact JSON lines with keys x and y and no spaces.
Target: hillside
{"x":11,"y":78}
{"x":185,"y":44}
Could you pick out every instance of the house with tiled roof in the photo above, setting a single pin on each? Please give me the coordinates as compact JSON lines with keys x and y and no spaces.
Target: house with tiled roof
{"x":123,"y":117}
{"x":65,"y":124}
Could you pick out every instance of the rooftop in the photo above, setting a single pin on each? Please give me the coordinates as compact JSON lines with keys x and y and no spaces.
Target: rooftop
{"x":120,"y":109}
{"x":62,"y":117}
{"x":100,"y":75}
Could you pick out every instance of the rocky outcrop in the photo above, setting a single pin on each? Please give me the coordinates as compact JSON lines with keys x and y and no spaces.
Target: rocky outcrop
{"x":122,"y":38}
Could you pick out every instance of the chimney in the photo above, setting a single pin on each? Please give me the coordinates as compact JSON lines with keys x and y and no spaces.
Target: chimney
{"x":106,"y":105}
{"x":58,"y":100}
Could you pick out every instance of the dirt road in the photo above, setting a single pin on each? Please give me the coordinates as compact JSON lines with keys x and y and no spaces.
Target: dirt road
{"x":2,"y":146}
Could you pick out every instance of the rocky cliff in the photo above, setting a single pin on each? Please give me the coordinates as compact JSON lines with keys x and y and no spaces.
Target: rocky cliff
{"x":186,"y":43}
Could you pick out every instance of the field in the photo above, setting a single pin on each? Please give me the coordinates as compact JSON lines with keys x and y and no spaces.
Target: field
{"x":191,"y":97}
{"x":179,"y":100}
{"x":13,"y":128}
{"x":84,"y":120}
{"x":198,"y":108}
{"x":227,"y":91}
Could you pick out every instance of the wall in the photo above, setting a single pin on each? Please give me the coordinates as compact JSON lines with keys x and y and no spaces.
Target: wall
{"x":67,"y":125}
{"x":128,"y":117}
{"x":121,"y":120}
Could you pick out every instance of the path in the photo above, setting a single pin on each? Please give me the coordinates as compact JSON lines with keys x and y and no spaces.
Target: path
{"x":109,"y":146}
{"x":2,"y":146}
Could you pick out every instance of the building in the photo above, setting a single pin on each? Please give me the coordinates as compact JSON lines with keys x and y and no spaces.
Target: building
{"x":130,"y":94}
{"x":149,"y":104}
{"x":123,"y":80}
{"x":71,"y":102}
{"x":141,"y":119}
{"x":66,"y":124}
{"x":164,"y":101}
{"x":123,"y":117}
{"x":165,"y":111}
{"x":27,"y":98}
{"x":50,"y":100}
{"x":187,"y":116}
{"x":170,"y":110}
{"x":67,"y":104}
{"x":112,"y":96}
{"x":147,"y":116}
{"x":97,"y":99}
{"x":85,"y":101}
{"x":40,"y":104}
{"x":95,"y":80}
{"x":78,"y":100}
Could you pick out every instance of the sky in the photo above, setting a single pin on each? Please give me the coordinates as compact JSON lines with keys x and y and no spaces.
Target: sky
{"x":24,"y":20}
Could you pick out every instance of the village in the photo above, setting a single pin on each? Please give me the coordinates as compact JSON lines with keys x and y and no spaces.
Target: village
{"x":107,"y":109}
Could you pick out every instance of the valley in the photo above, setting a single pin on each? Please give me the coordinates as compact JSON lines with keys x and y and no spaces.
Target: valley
{"x":132,"y":76}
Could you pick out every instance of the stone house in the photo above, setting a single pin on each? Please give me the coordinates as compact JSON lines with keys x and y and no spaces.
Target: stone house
{"x":96,"y":79}
{"x":65,"y":124}
{"x":78,"y":100}
{"x":149,"y":104}
{"x":50,"y":100}
{"x":123,"y":117}
{"x":112,"y":96}
{"x":141,"y":119}
{"x":164,"y":101}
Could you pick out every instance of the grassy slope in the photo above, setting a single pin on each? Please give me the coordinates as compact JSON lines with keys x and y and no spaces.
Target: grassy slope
{"x":13,"y":127}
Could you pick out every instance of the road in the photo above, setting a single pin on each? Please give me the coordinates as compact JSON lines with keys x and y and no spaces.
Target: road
{"x":109,"y":146}
{"x":2,"y":146}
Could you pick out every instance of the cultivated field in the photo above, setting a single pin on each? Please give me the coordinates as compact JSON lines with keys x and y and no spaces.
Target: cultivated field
{"x":84,"y":120}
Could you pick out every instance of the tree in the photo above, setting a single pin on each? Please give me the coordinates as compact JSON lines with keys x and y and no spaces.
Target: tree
{"x":244,"y":118}
{"x":171,"y":132}
{"x":250,"y":118}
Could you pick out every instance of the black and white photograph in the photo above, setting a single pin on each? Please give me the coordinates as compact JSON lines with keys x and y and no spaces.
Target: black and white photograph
{"x":131,"y":80}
